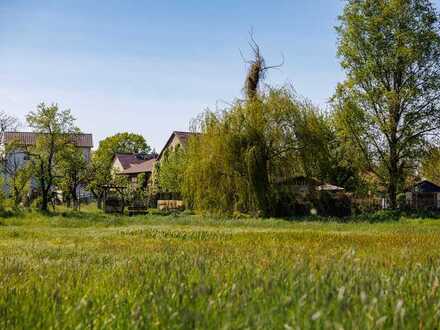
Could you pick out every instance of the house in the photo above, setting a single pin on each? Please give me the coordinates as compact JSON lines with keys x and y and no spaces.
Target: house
{"x":24,"y":140}
{"x":176,"y":140}
{"x":132,"y":165}
{"x":423,"y":195}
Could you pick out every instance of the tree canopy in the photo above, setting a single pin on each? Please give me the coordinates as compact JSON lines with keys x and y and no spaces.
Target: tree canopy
{"x":388,"y":103}
{"x":55,"y":128}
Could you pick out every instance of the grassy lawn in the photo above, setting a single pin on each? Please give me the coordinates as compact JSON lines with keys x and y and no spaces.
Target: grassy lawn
{"x":91,"y":270}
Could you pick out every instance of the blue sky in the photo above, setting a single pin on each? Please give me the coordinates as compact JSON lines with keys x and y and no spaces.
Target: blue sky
{"x":149,"y":67}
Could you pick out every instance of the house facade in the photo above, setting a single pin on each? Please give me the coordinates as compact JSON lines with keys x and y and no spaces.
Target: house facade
{"x":133,"y":165}
{"x":24,"y":140}
{"x":176,"y":140}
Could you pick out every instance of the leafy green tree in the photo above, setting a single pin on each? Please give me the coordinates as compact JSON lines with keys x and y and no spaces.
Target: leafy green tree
{"x":55,"y":128}
{"x":17,"y":175}
{"x":74,"y":173}
{"x":171,"y":169}
{"x":102,"y":159}
{"x":122,"y":143}
{"x":242,"y":153}
{"x":390,"y":51}
{"x":430,"y":165}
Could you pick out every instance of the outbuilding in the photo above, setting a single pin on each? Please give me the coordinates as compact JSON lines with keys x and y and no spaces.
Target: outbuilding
{"x":423,"y":195}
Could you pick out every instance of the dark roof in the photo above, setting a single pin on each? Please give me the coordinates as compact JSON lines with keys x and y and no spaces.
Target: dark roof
{"x":183,"y":138}
{"x":136,"y":163}
{"x":424,"y":186}
{"x":30,"y":138}
{"x":128,"y":160}
{"x":144,"y":167}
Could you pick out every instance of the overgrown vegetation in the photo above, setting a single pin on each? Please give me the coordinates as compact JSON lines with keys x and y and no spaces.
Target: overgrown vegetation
{"x":76,"y":270}
{"x":246,"y":156}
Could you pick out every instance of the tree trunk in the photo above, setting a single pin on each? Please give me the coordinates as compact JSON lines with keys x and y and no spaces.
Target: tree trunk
{"x":394,"y":176}
{"x":74,"y":198}
{"x":99,"y":202}
{"x":17,"y":198}
{"x":44,"y":201}
{"x":392,"y":194}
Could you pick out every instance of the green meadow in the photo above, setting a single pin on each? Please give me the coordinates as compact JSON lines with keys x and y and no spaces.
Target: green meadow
{"x":94,"y":271}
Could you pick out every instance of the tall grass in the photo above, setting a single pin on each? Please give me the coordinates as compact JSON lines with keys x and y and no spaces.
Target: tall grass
{"x":90,"y":270}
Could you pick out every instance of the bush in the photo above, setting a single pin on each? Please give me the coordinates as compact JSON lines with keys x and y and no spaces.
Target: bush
{"x":379,"y":216}
{"x":333,"y":205}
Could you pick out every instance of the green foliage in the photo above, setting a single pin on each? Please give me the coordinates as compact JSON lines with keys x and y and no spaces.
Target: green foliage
{"x":243,"y":154}
{"x":74,"y":172}
{"x":55,"y":129}
{"x":102,"y":158}
{"x":170,"y":170}
{"x":121,"y":143}
{"x":16,"y":175}
{"x":431,"y":165}
{"x":389,"y":50}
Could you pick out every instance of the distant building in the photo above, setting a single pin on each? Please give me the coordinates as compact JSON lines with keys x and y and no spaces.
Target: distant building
{"x":132,"y":165}
{"x":84,"y":142}
{"x":177,"y":139}
{"x":24,"y":140}
{"x":423,"y":195}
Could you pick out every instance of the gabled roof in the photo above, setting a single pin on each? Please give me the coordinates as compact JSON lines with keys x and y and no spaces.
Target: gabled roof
{"x":144,"y":167}
{"x":424,"y":186}
{"x":136,"y":163}
{"x":183,"y":139}
{"x":30,"y":138}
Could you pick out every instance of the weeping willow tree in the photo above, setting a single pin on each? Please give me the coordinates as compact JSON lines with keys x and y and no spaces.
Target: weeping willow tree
{"x":248,"y":149}
{"x":244,"y":152}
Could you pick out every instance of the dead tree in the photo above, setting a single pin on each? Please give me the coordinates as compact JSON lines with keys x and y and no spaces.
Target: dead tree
{"x":257,"y":70}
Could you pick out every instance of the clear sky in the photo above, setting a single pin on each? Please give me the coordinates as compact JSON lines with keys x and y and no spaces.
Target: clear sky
{"x":149,"y":67}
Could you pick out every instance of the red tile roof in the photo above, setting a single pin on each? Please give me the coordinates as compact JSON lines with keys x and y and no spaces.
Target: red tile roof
{"x":30,"y":138}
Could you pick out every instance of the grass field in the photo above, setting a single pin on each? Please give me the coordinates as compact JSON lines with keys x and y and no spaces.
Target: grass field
{"x":89,"y":270}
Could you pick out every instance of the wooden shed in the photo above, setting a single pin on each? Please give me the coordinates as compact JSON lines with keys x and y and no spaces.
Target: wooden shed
{"x":423,"y":195}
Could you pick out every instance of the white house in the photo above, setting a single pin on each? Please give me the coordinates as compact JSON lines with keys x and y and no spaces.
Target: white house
{"x":24,"y":140}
